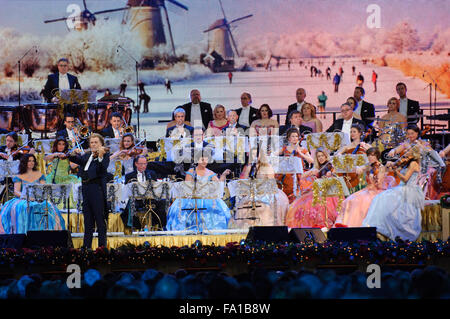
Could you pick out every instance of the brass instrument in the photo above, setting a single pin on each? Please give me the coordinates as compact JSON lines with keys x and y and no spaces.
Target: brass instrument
{"x":125,"y":128}
{"x":83,"y":130}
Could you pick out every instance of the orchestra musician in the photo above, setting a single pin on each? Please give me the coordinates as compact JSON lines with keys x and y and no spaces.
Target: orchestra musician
{"x":126,"y":154}
{"x":114,"y":130}
{"x":11,"y":150}
{"x":60,"y":80}
{"x":412,"y":135}
{"x":93,"y":171}
{"x":345,"y":123}
{"x":18,"y":215}
{"x":141,"y":174}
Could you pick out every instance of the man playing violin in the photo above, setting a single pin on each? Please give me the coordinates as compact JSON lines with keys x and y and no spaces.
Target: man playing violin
{"x":93,"y":172}
{"x":11,"y":151}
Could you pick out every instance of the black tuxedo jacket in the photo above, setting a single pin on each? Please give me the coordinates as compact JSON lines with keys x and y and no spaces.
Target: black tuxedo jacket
{"x":337,"y":125}
{"x":188,"y":129}
{"x":205,"y":109}
{"x":413,"y":108}
{"x":53,"y":83}
{"x":252,"y":116}
{"x":292,"y":107}
{"x":97,"y":170}
{"x":367,"y":111}
{"x":132,"y":177}
{"x":107,"y":132}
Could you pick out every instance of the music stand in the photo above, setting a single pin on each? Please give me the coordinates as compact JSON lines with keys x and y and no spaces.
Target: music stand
{"x":331,"y":191}
{"x":7,"y":169}
{"x":149,"y":190}
{"x":252,"y":190}
{"x":288,"y":165}
{"x":47,"y":192}
{"x":198,"y":190}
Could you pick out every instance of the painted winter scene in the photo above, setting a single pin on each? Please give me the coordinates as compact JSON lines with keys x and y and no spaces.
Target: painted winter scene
{"x":271,"y":48}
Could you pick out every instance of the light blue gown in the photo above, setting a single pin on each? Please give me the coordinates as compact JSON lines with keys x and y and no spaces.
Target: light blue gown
{"x":15,"y":218}
{"x":215,"y":216}
{"x":397,"y":211}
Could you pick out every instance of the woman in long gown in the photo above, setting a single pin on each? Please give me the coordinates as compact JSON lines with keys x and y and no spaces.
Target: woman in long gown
{"x":355,"y":207}
{"x":17,"y":216}
{"x":357,"y":146}
{"x":396,"y":212}
{"x":303,"y":212}
{"x":272,"y":208}
{"x":60,"y":167}
{"x":286,"y":180}
{"x":217,"y":126}
{"x":214,"y":214}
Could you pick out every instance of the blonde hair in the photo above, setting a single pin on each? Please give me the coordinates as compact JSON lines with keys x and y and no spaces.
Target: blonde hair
{"x":316,"y":161}
{"x":397,"y":102}
{"x":313,"y":110}
{"x":218,"y":106}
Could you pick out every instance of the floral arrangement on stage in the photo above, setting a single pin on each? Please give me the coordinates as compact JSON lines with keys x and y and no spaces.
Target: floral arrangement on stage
{"x":243,"y":254}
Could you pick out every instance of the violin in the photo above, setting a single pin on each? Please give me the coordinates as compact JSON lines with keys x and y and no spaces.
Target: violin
{"x":95,"y":154}
{"x":327,"y":167}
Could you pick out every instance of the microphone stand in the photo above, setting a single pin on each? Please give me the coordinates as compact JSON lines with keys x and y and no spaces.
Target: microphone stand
{"x":137,"y":84}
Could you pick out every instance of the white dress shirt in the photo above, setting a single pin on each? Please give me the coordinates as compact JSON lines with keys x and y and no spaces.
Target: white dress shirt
{"x":244,"y":118}
{"x":8,"y":152}
{"x":70,"y":134}
{"x":196,"y":115}
{"x":357,"y":111}
{"x":347,"y":125}
{"x":116,"y":133}
{"x":140,"y":177}
{"x":64,"y":82}
{"x":404,"y":106}
{"x":299,"y":106}
{"x":91,"y":158}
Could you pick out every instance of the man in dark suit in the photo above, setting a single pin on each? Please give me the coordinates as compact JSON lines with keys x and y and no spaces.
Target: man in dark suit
{"x":60,"y":80}
{"x":363,"y":109}
{"x":300,"y":94}
{"x":142,"y":174}
{"x":345,"y":123}
{"x":247,"y":113}
{"x":180,"y":129}
{"x":198,"y":113}
{"x":70,"y":133}
{"x":113,"y":131}
{"x":295,"y":121}
{"x":408,"y":108}
{"x":93,"y":173}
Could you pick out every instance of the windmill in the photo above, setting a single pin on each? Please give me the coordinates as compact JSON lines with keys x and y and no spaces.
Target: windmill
{"x":82,"y":20}
{"x":145,"y":17}
{"x":220,"y":41}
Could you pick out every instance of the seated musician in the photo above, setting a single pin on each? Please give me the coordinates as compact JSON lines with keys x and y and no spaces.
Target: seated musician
{"x":70,"y":132}
{"x":272,"y":208}
{"x":17,"y":215}
{"x":180,"y":129}
{"x":60,"y":80}
{"x":295,"y":120}
{"x":234,"y":128}
{"x":217,"y":126}
{"x":393,"y":115}
{"x":126,"y":154}
{"x":114,"y":130}
{"x":412,"y":135}
{"x":345,"y":123}
{"x":141,"y":174}
{"x":11,"y":150}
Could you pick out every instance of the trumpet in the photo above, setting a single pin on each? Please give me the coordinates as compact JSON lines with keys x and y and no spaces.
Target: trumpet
{"x":125,"y":128}
{"x":83,"y":130}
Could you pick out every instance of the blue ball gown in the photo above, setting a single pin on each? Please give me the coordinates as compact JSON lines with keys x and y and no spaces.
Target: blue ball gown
{"x":215,"y":216}
{"x":16,"y":219}
{"x":397,"y":211}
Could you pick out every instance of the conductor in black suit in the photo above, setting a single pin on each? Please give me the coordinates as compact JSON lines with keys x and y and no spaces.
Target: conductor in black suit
{"x":198,"y":113}
{"x":247,"y":113}
{"x":142,"y":174}
{"x":363,"y":109}
{"x":345,"y":123}
{"x":93,"y":171}
{"x":60,"y":80}
{"x":408,"y":108}
{"x":300,"y":95}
